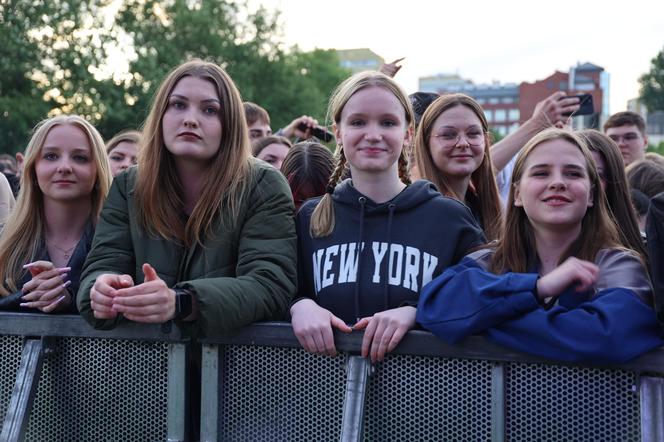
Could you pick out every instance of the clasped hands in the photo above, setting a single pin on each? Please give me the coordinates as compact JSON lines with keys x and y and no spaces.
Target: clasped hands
{"x":312,"y":325}
{"x":152,"y":301}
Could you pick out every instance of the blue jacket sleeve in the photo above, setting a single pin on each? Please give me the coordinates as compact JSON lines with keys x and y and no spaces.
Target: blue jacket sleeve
{"x":467,"y":299}
{"x":614,"y":327}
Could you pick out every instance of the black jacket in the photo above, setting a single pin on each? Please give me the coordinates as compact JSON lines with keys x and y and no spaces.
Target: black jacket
{"x":406,"y":242}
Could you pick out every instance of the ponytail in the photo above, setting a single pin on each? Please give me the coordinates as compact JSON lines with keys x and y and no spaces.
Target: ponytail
{"x":322,"y":220}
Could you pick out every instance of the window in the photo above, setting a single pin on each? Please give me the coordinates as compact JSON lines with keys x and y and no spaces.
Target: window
{"x":493,"y":100}
{"x":513,"y":115}
{"x":507,"y":100}
{"x":489,"y":115}
{"x":500,"y":115}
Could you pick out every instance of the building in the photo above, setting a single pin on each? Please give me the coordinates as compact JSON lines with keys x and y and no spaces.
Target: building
{"x":654,"y":121}
{"x":358,"y":60}
{"x":508,"y":105}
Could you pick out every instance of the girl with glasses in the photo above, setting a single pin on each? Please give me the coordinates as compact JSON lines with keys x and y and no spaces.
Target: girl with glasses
{"x":452,"y":151}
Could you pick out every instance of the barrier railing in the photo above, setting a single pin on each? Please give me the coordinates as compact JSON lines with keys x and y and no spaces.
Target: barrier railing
{"x":260,"y":385}
{"x":61,"y":380}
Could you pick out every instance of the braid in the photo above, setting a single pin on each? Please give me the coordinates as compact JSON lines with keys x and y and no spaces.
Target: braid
{"x":404,"y":174}
{"x":322,"y":219}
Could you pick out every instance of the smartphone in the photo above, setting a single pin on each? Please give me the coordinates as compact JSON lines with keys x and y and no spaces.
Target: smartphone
{"x":318,"y":131}
{"x":585,"y":105}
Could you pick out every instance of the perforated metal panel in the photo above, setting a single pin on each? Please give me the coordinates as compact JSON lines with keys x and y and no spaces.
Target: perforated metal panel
{"x":415,"y":398}
{"x":282,"y":394}
{"x":10,"y":359}
{"x":550,"y":403}
{"x":102,"y":390}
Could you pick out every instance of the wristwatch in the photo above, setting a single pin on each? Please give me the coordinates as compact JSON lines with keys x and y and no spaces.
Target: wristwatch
{"x":183,"y":302}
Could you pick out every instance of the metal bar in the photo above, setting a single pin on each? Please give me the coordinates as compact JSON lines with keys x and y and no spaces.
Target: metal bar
{"x":177,"y":392}
{"x":210,"y":393}
{"x":498,"y":402}
{"x":422,"y":343}
{"x":652,"y":409}
{"x":359,"y":369}
{"x":33,"y":324}
{"x":25,"y":389}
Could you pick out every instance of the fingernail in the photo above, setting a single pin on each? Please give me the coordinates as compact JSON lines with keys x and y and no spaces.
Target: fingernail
{"x":24,"y":304}
{"x":28,"y":265}
{"x":59,"y":299}
{"x":66,"y":284}
{"x":64,"y":269}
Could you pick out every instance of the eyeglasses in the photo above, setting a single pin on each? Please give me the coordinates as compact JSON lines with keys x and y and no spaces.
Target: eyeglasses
{"x":452,"y":138}
{"x":627,"y":138}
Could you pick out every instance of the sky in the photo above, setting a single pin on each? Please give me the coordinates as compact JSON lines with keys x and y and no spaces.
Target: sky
{"x":507,"y":41}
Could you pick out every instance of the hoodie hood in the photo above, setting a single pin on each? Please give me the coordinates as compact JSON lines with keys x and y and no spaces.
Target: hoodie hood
{"x":414,"y":195}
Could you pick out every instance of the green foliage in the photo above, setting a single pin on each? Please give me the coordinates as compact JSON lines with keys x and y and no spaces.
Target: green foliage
{"x":659,"y":148}
{"x":55,"y":56}
{"x":652,"y":84}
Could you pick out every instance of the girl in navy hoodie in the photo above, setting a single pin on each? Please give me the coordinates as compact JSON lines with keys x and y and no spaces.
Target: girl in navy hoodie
{"x":368,"y":246}
{"x":560,"y":283}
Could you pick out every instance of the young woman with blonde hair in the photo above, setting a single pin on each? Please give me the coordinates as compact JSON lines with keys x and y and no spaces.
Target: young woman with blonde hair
{"x":122,"y":150}
{"x":45,"y":241}
{"x":372,"y":241}
{"x":452,"y":151}
{"x":204,"y":234}
{"x":560,"y":283}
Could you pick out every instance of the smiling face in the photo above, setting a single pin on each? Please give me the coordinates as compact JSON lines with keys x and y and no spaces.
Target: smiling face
{"x":122,"y":156}
{"x":65,"y":169}
{"x":457,"y":142}
{"x":554,"y":190}
{"x":373,"y":130}
{"x":191,"y":124}
{"x":273,"y":154}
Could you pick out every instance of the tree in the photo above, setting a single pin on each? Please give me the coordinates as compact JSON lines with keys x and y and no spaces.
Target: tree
{"x":48,"y":50}
{"x":56,"y":59}
{"x":652,"y":84}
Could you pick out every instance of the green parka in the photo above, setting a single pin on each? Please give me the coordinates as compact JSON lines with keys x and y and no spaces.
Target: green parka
{"x":245,"y":273}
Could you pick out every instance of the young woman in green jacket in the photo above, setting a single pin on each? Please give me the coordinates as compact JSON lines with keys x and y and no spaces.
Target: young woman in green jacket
{"x":199,"y":232}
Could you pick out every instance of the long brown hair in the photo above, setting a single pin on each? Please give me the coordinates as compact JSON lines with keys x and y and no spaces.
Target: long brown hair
{"x":24,"y":231}
{"x":158,"y":191}
{"x":618,"y":198}
{"x":482,"y":179}
{"x":516,"y":251}
{"x":322,"y":219}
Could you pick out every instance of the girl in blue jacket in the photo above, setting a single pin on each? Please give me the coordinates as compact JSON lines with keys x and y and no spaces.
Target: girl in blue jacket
{"x":366,"y":248}
{"x":559,"y":284}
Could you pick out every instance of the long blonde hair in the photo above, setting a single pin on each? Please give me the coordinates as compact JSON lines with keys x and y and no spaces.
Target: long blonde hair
{"x":322,"y":219}
{"x":158,"y":193}
{"x":482,"y":179}
{"x":24,"y":231}
{"x":516,"y":251}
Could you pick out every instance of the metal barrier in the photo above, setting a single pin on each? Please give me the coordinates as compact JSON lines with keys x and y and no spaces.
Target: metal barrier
{"x":260,"y":385}
{"x":61,"y":380}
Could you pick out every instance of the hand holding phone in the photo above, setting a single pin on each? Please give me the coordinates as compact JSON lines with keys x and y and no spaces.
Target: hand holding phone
{"x":317,"y":131}
{"x":585,"y":105}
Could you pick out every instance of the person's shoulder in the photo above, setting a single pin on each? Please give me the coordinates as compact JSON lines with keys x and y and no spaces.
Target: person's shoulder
{"x":482,"y":256}
{"x":266,"y":178}
{"x":614,"y":255}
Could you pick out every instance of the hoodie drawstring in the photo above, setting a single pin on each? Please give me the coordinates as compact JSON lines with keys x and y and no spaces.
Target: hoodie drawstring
{"x":386,"y":296}
{"x":362,"y":200}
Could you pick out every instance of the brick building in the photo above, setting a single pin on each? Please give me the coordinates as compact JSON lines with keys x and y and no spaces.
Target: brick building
{"x":508,"y":105}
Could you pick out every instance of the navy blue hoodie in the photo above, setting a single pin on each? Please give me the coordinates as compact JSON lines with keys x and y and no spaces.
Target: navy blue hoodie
{"x":405,"y":243}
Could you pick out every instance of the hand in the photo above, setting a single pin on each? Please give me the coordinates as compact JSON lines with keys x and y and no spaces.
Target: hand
{"x":47,"y":290}
{"x":572,"y":271}
{"x":151,"y":302}
{"x":293,"y":130}
{"x":384,"y":331}
{"x":313,"y":324}
{"x":550,"y":112}
{"x":103,"y":292}
{"x":391,"y":69}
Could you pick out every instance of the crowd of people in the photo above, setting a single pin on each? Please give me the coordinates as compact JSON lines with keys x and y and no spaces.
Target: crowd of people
{"x":547,"y":242}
